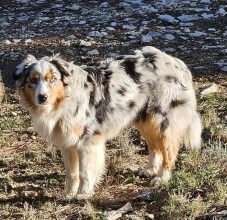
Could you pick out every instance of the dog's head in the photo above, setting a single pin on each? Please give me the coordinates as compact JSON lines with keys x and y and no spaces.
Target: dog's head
{"x":42,"y":81}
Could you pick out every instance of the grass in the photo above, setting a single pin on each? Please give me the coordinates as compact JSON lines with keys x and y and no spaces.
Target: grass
{"x":32,"y":174}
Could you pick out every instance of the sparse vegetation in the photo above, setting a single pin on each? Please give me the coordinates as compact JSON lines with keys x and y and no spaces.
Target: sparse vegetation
{"x":32,"y":173}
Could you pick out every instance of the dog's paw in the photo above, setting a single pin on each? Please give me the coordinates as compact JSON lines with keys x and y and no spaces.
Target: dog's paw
{"x":82,"y":196}
{"x":70,"y":195}
{"x":148,"y":172}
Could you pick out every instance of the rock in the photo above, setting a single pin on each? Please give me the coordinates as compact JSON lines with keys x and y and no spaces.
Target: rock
{"x":128,"y":27}
{"x":145,"y":196}
{"x":209,"y":89}
{"x":224,"y":68}
{"x":16,"y":41}
{"x":74,"y":7}
{"x":168,"y":18}
{"x":95,"y":34}
{"x":113,"y":24}
{"x":149,"y":216}
{"x":85,"y":43}
{"x":82,"y":22}
{"x":6,"y":42}
{"x":169,"y":37}
{"x":93,"y":52}
{"x":149,"y":36}
{"x":110,"y":29}
{"x":104,"y":5}
{"x":28,"y":41}
{"x":187,"y":18}
{"x":114,"y":215}
{"x":197,"y":34}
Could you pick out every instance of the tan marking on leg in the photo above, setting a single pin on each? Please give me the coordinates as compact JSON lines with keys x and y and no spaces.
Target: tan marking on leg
{"x":157,"y":143}
{"x":71,"y":161}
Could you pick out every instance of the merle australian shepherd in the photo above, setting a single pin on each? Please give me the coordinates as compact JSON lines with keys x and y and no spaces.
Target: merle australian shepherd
{"x":79,"y":108}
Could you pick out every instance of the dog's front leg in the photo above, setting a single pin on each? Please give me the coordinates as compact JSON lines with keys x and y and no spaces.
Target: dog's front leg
{"x":92,"y":164}
{"x":71,"y":161}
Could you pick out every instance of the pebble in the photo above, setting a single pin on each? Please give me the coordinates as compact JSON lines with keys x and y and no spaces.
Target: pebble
{"x":209,"y":89}
{"x":28,"y":41}
{"x":6,"y":42}
{"x":168,"y":18}
{"x":85,"y":43}
{"x":93,"y":52}
{"x":224,"y":68}
{"x":169,"y":37}
{"x":95,"y":34}
{"x":187,"y":18}
{"x":149,"y":216}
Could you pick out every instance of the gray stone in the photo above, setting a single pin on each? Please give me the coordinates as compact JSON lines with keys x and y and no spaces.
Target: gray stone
{"x":168,"y":18}
{"x":85,"y":43}
{"x":95,"y":34}
{"x":114,"y":215}
{"x":188,"y":18}
{"x":209,"y":89}
{"x":169,"y":37}
{"x":74,"y":7}
{"x":149,"y":216}
{"x":197,"y":34}
{"x":128,"y":27}
{"x":93,"y":52}
{"x":82,"y":22}
{"x":145,"y":196}
{"x":224,"y":68}
{"x":6,"y":42}
{"x":110,"y":29}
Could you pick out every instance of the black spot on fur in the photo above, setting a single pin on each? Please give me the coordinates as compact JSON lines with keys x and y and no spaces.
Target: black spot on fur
{"x":129,"y":64}
{"x":85,"y":85}
{"x":87,"y":113}
{"x":77,"y":109}
{"x":176,"y":103}
{"x":131,"y":104}
{"x":150,"y":58}
{"x":176,"y":67}
{"x":143,"y":113}
{"x":121,"y":91}
{"x":164,"y":124}
{"x":103,"y":106}
{"x":167,"y":63}
{"x":94,"y":75}
{"x":62,"y":70}
{"x":84,"y":132}
{"x":170,"y":79}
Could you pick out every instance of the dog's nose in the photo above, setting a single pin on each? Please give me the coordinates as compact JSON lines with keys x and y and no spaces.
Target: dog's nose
{"x":42,"y":98}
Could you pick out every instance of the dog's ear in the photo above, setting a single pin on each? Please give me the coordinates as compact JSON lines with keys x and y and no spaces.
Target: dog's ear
{"x":61,"y":65}
{"x":20,"y":69}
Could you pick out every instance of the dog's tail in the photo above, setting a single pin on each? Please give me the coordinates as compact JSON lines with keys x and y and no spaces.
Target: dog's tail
{"x":192,"y":137}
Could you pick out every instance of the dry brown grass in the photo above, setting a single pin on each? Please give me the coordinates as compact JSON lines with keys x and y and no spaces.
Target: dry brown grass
{"x":32,"y":173}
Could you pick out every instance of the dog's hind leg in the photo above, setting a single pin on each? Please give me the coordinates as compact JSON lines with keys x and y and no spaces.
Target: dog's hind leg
{"x":162,"y":150}
{"x":71,"y":161}
{"x":92,"y":164}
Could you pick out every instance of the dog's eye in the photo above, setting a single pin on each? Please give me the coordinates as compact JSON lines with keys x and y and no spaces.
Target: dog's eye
{"x":53,"y":79}
{"x":34,"y":80}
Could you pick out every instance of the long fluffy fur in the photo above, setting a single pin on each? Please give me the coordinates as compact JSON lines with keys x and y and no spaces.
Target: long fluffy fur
{"x":149,"y":89}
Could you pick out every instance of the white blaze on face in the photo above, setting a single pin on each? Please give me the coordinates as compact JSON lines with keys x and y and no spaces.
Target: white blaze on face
{"x":41,"y":89}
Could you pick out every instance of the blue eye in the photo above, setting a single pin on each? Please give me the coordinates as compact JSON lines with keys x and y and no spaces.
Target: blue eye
{"x":53,"y":79}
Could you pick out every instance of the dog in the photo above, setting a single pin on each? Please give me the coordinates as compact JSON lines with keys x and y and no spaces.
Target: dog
{"x":79,"y":108}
